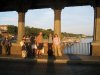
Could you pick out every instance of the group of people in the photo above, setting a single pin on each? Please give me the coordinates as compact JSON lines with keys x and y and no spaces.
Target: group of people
{"x":33,"y":46}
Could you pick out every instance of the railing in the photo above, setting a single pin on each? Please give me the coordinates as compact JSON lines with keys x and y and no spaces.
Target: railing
{"x":78,"y":48}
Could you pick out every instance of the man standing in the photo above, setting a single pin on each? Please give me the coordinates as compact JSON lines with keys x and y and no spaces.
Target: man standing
{"x":39,"y":42}
{"x":7,"y":45}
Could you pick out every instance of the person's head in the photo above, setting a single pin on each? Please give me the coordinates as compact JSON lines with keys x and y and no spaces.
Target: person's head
{"x":24,"y":36}
{"x":50,"y":34}
{"x":40,"y":33}
{"x":55,"y":35}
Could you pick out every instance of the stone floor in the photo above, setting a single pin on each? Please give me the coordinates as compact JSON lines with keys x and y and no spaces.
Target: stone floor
{"x":12,"y":65}
{"x":32,"y":68}
{"x":64,"y":59}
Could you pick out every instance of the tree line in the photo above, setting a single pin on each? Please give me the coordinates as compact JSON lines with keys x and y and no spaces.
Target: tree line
{"x":31,"y":30}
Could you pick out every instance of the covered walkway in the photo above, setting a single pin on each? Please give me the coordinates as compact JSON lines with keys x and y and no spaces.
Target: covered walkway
{"x":66,"y":65}
{"x":65,"y":59}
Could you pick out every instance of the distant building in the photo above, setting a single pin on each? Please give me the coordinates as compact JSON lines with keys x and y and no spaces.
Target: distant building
{"x":3,"y":28}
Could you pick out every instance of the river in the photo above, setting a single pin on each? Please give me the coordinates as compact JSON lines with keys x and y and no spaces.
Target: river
{"x":81,"y":48}
{"x":86,"y":40}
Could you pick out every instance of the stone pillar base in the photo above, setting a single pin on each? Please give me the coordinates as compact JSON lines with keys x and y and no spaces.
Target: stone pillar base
{"x":16,"y":49}
{"x":96,"y":49}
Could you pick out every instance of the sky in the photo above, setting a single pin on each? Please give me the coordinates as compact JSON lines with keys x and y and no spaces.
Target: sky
{"x":78,"y":20}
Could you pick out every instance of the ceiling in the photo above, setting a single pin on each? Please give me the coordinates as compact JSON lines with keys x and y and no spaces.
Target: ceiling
{"x":24,"y":5}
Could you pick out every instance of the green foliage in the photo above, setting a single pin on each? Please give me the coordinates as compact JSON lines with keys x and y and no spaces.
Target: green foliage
{"x":35,"y":31}
{"x":71,"y":35}
{"x":45,"y":36}
{"x":12,"y":29}
{"x":31,"y":30}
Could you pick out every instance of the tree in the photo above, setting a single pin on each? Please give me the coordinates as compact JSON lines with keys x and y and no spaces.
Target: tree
{"x":12,"y":29}
{"x":31,"y":30}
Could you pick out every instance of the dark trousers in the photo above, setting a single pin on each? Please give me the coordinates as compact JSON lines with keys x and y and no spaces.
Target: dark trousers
{"x":7,"y":50}
{"x":50,"y":46}
{"x":50,"y":51}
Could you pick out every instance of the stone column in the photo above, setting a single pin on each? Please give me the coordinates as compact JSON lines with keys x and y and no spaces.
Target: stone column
{"x":57,"y":22}
{"x":96,"y":38}
{"x":21,"y":26}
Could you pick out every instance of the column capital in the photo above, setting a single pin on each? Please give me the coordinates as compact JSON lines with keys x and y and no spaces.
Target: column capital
{"x":92,"y":3}
{"x":23,"y":11}
{"x":57,"y":11}
{"x":57,"y":8}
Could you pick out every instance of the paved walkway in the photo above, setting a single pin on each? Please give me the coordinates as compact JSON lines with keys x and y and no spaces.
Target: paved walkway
{"x":66,"y":65}
{"x":69,"y":59}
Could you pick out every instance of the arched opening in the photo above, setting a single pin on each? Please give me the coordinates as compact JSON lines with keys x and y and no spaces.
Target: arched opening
{"x":78,"y":20}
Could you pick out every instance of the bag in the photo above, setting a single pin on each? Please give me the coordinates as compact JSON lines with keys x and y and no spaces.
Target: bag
{"x":21,"y":43}
{"x":24,"y":54}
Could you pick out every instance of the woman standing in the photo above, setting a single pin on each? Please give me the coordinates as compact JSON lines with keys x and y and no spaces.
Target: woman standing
{"x":56,"y":44}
